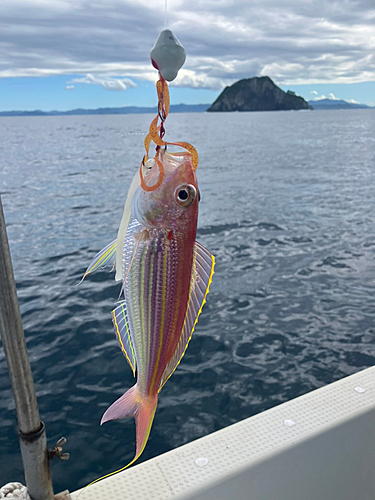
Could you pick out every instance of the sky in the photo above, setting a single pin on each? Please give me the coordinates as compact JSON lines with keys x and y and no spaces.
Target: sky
{"x":67,"y":54}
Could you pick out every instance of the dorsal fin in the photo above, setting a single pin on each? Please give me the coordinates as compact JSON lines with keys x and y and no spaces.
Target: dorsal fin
{"x":203,"y":269}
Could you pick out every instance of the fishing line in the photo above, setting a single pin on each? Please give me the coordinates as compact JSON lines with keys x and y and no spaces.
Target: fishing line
{"x":166,"y":14}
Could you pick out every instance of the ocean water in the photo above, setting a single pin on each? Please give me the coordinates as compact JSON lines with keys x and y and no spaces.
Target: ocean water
{"x":288,"y":211}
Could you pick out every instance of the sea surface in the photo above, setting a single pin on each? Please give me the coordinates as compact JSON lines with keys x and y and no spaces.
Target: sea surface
{"x":288,"y":210}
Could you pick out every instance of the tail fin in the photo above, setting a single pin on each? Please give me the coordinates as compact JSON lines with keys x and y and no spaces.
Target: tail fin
{"x":142,"y":408}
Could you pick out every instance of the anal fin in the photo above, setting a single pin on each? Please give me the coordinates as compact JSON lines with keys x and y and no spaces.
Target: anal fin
{"x":122,"y":331}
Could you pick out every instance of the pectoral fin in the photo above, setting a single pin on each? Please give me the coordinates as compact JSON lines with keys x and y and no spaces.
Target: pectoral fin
{"x":203,"y":270}
{"x":104,"y":258}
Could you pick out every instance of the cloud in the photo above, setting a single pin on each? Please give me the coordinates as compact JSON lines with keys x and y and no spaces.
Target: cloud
{"x":196,"y":79}
{"x":331,"y":97}
{"x":293,"y":42}
{"x":107,"y":83}
{"x":69,"y":87}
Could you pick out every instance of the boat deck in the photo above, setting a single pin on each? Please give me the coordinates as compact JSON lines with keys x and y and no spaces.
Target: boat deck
{"x":318,"y":446}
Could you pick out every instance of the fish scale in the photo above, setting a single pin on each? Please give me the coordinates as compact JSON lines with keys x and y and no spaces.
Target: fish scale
{"x":156,"y":257}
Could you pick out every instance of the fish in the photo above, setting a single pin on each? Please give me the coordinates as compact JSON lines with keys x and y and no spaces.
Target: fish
{"x":165,"y":274}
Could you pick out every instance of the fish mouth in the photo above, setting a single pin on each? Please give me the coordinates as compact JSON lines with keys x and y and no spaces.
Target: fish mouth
{"x":162,"y":162}
{"x":157,"y":200}
{"x":159,"y":181}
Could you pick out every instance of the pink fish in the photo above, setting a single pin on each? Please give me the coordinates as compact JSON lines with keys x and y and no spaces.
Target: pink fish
{"x":166,"y":275}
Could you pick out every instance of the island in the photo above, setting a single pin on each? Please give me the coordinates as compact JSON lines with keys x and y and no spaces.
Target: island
{"x":257,"y":94}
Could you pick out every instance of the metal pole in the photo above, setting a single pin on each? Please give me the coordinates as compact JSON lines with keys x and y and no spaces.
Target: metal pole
{"x":31,"y":430}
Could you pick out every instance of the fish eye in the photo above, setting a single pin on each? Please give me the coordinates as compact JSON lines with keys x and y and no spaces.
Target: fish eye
{"x":185,"y":194}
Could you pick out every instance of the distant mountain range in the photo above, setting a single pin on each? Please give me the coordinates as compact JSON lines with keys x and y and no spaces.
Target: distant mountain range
{"x":126,"y":110}
{"x":336,"y":104}
{"x":249,"y":94}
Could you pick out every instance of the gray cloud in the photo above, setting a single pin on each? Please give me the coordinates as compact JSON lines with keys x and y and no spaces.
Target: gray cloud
{"x":293,"y":42}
